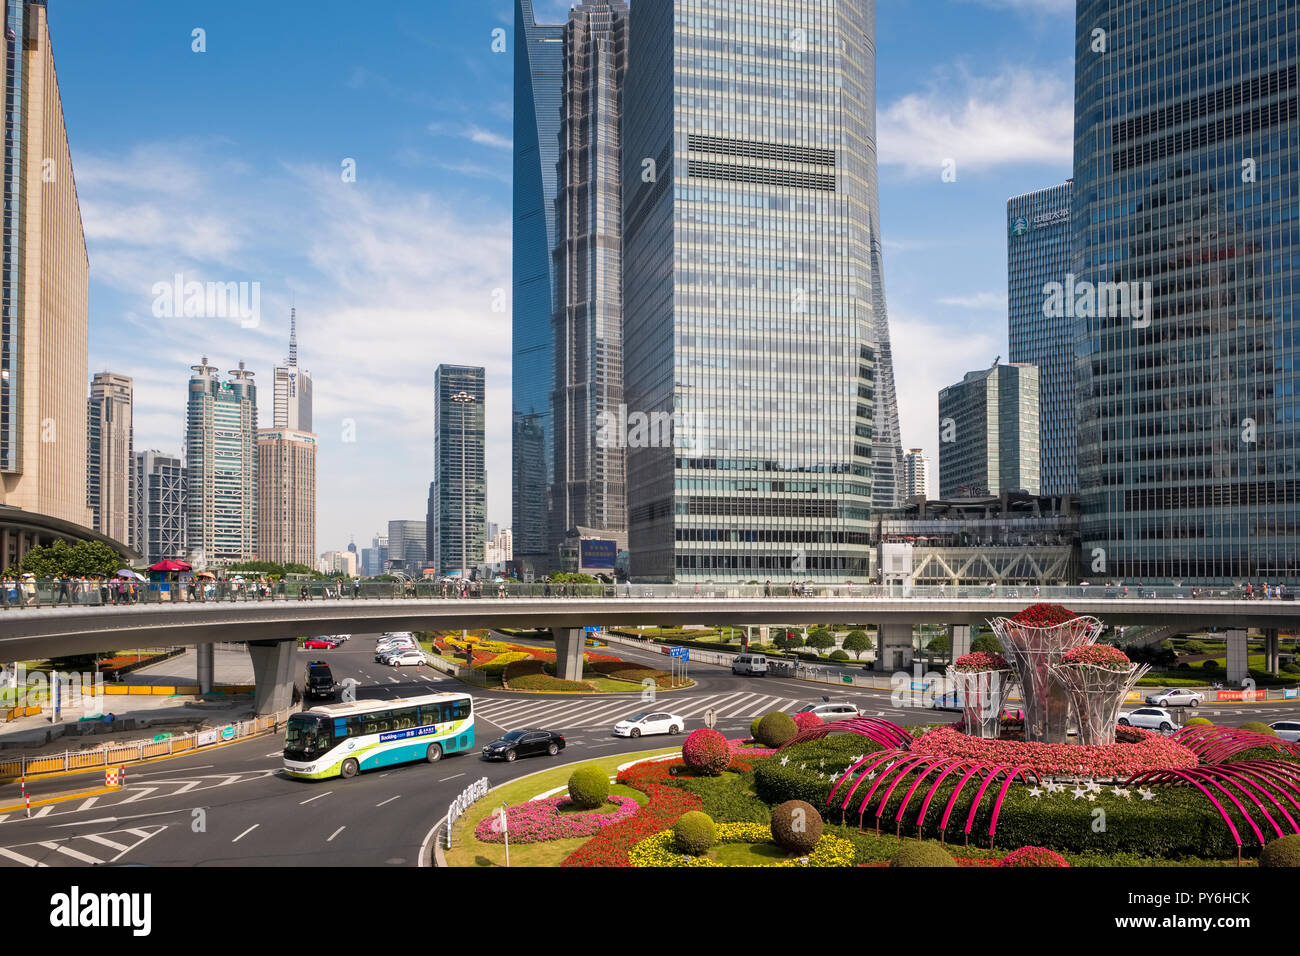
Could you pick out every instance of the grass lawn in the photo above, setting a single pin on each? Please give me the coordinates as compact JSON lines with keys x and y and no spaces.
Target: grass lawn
{"x":468,"y":851}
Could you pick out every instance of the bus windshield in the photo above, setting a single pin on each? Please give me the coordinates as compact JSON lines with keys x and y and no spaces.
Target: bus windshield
{"x":307,"y":734}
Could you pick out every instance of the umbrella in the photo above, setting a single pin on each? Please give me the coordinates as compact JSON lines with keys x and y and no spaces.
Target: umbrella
{"x":128,"y":573}
{"x":205,"y":574}
{"x":170,"y":565}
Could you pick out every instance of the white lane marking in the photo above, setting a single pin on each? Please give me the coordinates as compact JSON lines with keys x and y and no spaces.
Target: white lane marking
{"x":90,"y":802}
{"x":135,"y":816}
{"x":452,"y":777}
{"x":701,"y":704}
{"x":206,"y":766}
{"x":188,"y":787}
{"x":19,"y":858}
{"x":278,"y":753}
{"x":246,"y":833}
{"x":76,"y":855}
{"x":393,"y":680}
{"x":336,"y":833}
{"x":317,"y":797}
{"x":389,"y":800}
{"x":105,"y":841}
{"x":734,"y":707}
{"x":48,"y":808}
{"x":778,"y":703}
{"x":143,"y":835}
{"x":3,"y":817}
{"x":138,"y":795}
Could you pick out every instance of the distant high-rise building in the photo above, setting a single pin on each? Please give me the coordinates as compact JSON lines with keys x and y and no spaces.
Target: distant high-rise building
{"x":988,"y":433}
{"x":539,"y":71}
{"x":286,"y":482}
{"x":406,"y":546}
{"x":375,"y":558}
{"x":292,"y":387}
{"x":159,"y":510}
{"x":754,"y":303}
{"x":43,"y":287}
{"x":221,"y":457}
{"x":1038,"y":253}
{"x":916,"y":474}
{"x":342,"y":563}
{"x":1186,"y":177}
{"x":109,"y":457}
{"x":590,"y":477}
{"x":458,"y":493}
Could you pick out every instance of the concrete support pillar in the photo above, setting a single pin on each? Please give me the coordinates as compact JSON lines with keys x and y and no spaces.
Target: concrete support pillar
{"x":895,"y":650}
{"x":959,"y":637}
{"x":568,"y":652}
{"x":1271,"y":650}
{"x":207,"y":665}
{"x":273,"y":673}
{"x":1238,"y":669}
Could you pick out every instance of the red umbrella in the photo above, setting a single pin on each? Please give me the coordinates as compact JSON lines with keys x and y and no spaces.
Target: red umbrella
{"x":170,"y":565}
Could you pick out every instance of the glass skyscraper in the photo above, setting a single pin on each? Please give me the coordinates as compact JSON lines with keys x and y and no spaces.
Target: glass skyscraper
{"x":458,"y":495}
{"x":1038,"y":253}
{"x":1187,"y":177}
{"x":221,"y":458}
{"x":988,"y":433}
{"x":753,"y":297}
{"x":539,"y":71}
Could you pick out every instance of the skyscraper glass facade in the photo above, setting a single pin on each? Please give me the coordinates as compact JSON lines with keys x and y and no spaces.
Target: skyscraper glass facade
{"x":988,"y":433}
{"x":1187,"y":173}
{"x":539,"y":70}
{"x":458,"y":495}
{"x":221,"y":456}
{"x":753,"y":297}
{"x":1038,"y":253}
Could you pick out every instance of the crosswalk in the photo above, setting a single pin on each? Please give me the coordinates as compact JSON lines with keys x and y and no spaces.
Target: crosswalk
{"x":607,"y":711}
{"x":90,"y":849}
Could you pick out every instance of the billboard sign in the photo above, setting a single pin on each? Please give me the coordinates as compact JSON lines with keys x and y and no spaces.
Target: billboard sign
{"x":596,"y":555}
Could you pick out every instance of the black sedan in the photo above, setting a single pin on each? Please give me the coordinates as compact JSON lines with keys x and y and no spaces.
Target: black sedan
{"x":524,"y":743}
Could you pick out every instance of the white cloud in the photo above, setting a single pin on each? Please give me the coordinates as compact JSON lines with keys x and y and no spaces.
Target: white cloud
{"x":980,"y":301}
{"x":1017,"y":116}
{"x":485,"y":137}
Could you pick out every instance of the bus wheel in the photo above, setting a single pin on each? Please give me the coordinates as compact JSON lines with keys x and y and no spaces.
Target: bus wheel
{"x":349,"y":769}
{"x":434,"y":754}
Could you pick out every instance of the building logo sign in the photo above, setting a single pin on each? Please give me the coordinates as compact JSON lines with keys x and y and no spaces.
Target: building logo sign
{"x":1052,"y":217}
{"x":1020,"y":227}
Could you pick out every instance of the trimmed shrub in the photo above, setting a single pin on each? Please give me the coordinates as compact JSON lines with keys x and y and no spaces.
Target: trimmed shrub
{"x":796,"y":826}
{"x":922,"y":854}
{"x":705,"y":752}
{"x":694,"y":833}
{"x":1259,"y":727}
{"x":753,"y":727}
{"x":1197,"y":722}
{"x":588,"y":787}
{"x":1210,"y":665}
{"x":1291,"y":667}
{"x":838,"y":655}
{"x":1033,"y":856}
{"x":805,"y":721}
{"x":775,"y":729}
{"x":1281,"y":852}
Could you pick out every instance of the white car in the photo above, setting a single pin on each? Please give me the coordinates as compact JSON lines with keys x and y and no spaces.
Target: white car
{"x":342,"y":637}
{"x":1177,"y":697}
{"x":1287,"y":729}
{"x":829,"y":712}
{"x":644,"y":725}
{"x":406,"y":659}
{"x":1149,"y":718}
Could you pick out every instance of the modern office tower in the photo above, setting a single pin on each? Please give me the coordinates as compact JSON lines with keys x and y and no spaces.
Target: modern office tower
{"x":539,"y":69}
{"x":458,"y":493}
{"x":292,"y":387}
{"x":1186,"y":172}
{"x":286,"y":490}
{"x":590,"y":481}
{"x":492,"y":530}
{"x":43,"y":316}
{"x":406,"y":547}
{"x":753,"y":298}
{"x":375,"y":557}
{"x":988,"y":433}
{"x":159,"y":510}
{"x":221,"y":456}
{"x":916,"y":474}
{"x":1038,"y":253}
{"x":342,"y":563}
{"x":109,"y":457}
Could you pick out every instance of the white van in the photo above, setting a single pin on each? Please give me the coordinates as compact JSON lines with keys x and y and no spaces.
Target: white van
{"x":753,"y":664}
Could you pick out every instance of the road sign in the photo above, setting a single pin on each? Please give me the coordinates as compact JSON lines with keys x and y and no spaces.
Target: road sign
{"x":227,"y":733}
{"x":846,"y":678}
{"x":592,"y":630}
{"x":680,"y":653}
{"x":710,"y":718}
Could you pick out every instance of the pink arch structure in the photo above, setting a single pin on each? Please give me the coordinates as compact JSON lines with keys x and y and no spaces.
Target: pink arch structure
{"x":1214,"y":744}
{"x":884,"y":732}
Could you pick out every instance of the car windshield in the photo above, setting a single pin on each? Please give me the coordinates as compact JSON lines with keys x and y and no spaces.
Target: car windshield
{"x":807,"y":708}
{"x":513,"y":735}
{"x":306,"y":734}
{"x":637,"y":719}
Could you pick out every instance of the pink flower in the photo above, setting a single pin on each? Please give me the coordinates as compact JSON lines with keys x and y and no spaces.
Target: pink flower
{"x":540,"y":821}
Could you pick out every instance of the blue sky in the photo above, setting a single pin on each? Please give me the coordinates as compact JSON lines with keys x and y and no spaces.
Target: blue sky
{"x":226,"y":165}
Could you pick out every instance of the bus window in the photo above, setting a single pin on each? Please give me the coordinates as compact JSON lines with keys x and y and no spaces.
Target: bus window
{"x":430,"y":714}
{"x":405,"y":719}
{"x":459,"y":709}
{"x":380,"y":723}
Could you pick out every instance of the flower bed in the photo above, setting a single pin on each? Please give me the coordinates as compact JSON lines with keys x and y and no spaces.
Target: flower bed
{"x":540,"y":821}
{"x":1044,"y":615}
{"x":658,"y":850}
{"x":981,"y":661}
{"x":611,"y":845}
{"x":738,"y":746}
{"x":1098,"y":655}
{"x":1147,"y":750}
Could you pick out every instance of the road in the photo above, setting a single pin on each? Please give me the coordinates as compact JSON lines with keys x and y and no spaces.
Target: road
{"x":232,"y":806}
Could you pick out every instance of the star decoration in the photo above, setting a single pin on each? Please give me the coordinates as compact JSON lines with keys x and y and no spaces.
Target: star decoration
{"x":872,"y":775}
{"x":1036,"y":792}
{"x":859,"y":758}
{"x":1091,"y":795}
{"x":1146,"y":794}
{"x":803,"y":766}
{"x":1054,"y":787}
{"x":1094,"y":786}
{"x":784,"y":761}
{"x":1079,"y":793}
{"x":1122,"y":792}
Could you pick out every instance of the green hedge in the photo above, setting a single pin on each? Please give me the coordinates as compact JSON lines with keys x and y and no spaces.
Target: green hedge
{"x":775,"y":784}
{"x":728,"y":798}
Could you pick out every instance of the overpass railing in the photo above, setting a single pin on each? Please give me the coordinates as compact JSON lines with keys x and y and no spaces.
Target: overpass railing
{"x":54,"y":592}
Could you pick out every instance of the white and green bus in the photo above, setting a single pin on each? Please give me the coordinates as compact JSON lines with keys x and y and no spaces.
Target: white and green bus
{"x":340,"y":740}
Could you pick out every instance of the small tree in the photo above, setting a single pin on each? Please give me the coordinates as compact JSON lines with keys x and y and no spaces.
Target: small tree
{"x":986,"y":643}
{"x":857,"y":642}
{"x":940,"y":645}
{"x":820,"y":638}
{"x":787,"y":640}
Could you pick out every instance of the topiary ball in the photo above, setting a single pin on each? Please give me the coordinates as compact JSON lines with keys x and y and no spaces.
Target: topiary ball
{"x":1198,"y":721}
{"x":796,"y":826}
{"x":1259,"y":728}
{"x":1210,"y":665}
{"x":922,"y":854}
{"x":775,"y":729}
{"x":805,"y":721}
{"x":753,"y":727}
{"x":1033,"y":856}
{"x":839,"y":655}
{"x":694,"y":833}
{"x":1281,"y":852}
{"x":705,"y":752}
{"x":588,"y":787}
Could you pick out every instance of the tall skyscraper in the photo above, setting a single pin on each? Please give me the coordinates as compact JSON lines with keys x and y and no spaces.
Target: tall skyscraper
{"x":375,"y":557}
{"x":754,"y":305}
{"x":109,"y":457}
{"x":286,"y":531}
{"x":221,"y":457}
{"x":988,"y":433}
{"x":43,"y":315}
{"x":458,"y":493}
{"x":916,"y":474}
{"x":590,"y":481}
{"x":159,"y":510}
{"x":1038,"y":253}
{"x":539,"y":69}
{"x":406,"y":546}
{"x":1186,"y":173}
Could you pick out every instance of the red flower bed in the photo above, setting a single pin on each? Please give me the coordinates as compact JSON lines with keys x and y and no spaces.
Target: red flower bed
{"x":667,"y":804}
{"x":1044,"y":615}
{"x":805,"y":721}
{"x":981,"y":661}
{"x":959,"y":860}
{"x":1098,"y":655}
{"x":1141,"y":750}
{"x":1033,"y":856}
{"x":705,"y":752}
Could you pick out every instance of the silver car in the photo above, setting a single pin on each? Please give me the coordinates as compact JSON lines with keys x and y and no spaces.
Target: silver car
{"x":1288,"y":730}
{"x":1149,"y":718}
{"x":1177,"y":697}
